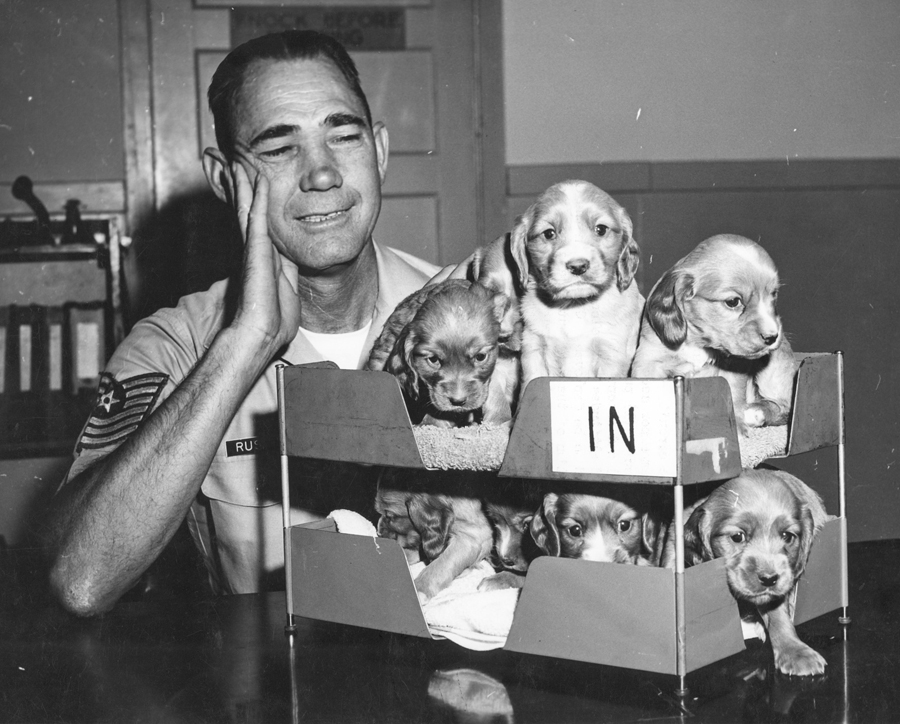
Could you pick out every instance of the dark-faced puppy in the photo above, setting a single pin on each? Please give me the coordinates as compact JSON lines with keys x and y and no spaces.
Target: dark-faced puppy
{"x":443,"y":343}
{"x":445,"y":526}
{"x":763,"y":524}
{"x":714,"y":313}
{"x":510,"y":505}
{"x":581,"y":307}
{"x":596,"y":528}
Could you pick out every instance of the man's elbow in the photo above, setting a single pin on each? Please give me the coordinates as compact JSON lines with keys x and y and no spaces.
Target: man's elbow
{"x":78,"y":594}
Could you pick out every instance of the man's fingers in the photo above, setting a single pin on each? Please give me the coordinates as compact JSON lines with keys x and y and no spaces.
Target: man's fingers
{"x":257,"y":221}
{"x":243,"y":196}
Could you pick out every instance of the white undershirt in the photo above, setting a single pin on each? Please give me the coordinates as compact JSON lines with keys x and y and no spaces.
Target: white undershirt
{"x":344,"y":348}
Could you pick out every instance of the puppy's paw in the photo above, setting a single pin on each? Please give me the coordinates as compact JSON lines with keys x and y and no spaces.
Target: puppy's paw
{"x":754,"y":416}
{"x":799,"y":660}
{"x":500,"y":581}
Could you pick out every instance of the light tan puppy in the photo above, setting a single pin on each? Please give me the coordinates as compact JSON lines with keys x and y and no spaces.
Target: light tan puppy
{"x":581,"y":307}
{"x":762,"y":523}
{"x":713,"y":314}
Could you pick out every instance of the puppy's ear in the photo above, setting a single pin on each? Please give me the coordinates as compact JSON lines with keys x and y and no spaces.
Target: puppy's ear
{"x":399,"y":363}
{"x":517,"y":245}
{"x":543,"y":526}
{"x":664,"y":306}
{"x":500,"y":304}
{"x":630,"y":257}
{"x":432,"y":518}
{"x":653,"y":530}
{"x":697,"y":531}
{"x":808,"y":532}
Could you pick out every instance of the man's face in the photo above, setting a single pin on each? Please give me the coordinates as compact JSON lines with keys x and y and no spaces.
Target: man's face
{"x":298,"y":123}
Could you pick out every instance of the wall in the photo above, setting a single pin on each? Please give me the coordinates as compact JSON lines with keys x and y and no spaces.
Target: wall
{"x":778,"y":121}
{"x":671,"y":80}
{"x":61,"y":116}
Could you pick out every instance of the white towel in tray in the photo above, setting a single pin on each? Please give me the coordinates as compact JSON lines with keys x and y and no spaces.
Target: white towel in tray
{"x":478,"y":620}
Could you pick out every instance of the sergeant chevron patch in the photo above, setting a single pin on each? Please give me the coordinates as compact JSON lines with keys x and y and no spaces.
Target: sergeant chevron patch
{"x":120,"y":408}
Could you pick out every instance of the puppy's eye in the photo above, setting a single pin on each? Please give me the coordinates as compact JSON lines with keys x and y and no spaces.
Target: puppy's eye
{"x":734,"y":303}
{"x":788,"y":537}
{"x":480,"y":357}
{"x":575,"y":531}
{"x":739,"y":537}
{"x":433,"y":360}
{"x":601,"y":229}
{"x":549,"y":234}
{"x":625,"y":525}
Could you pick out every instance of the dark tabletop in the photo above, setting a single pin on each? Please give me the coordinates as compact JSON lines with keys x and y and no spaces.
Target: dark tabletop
{"x":227,"y":659}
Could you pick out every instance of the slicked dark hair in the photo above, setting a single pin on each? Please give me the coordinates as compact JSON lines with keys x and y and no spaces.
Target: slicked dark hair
{"x":286,"y":45}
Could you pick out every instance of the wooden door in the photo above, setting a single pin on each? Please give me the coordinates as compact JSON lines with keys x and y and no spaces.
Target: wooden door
{"x":431,"y":70}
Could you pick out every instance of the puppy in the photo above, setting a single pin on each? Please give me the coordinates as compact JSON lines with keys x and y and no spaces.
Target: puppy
{"x":447,"y":530}
{"x":442,"y":344}
{"x":581,"y":308}
{"x":713,"y":313}
{"x":595,"y":528}
{"x":762,"y":523}
{"x":509,"y":508}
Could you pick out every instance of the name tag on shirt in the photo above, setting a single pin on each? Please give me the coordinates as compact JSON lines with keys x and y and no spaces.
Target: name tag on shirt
{"x":247,"y":446}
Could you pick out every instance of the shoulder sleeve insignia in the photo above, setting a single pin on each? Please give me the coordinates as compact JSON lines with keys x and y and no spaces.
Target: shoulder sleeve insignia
{"x":120,"y":408}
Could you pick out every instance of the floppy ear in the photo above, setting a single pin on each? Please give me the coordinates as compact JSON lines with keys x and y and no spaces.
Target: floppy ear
{"x":517,"y":247}
{"x":697,"y":531}
{"x":630,"y":257}
{"x":653,"y":531}
{"x":432,"y":518}
{"x":398,"y":363}
{"x":543,"y":526}
{"x":808,"y":532}
{"x":664,"y":306}
{"x":500,"y":303}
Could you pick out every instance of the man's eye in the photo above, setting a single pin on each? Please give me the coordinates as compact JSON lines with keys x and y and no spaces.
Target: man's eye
{"x":549,"y":234}
{"x":601,"y":229}
{"x":275,"y":152}
{"x":575,"y":531}
{"x":739,"y":537}
{"x":733,"y":303}
{"x":348,"y":137}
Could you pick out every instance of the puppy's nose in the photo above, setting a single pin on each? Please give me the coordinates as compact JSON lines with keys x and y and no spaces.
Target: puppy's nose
{"x":769,"y":579}
{"x":770,"y":339}
{"x":577,"y":266}
{"x":457,"y":401}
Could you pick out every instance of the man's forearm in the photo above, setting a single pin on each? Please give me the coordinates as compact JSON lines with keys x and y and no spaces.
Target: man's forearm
{"x":112,"y":521}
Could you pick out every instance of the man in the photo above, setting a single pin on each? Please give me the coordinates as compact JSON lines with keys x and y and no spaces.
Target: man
{"x":184,"y":425}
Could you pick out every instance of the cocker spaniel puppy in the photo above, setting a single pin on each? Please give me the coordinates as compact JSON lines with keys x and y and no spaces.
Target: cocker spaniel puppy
{"x":443,"y":526}
{"x":762,"y":523}
{"x":581,"y":308}
{"x":598,"y":528}
{"x":714,"y":313}
{"x":442,"y":345}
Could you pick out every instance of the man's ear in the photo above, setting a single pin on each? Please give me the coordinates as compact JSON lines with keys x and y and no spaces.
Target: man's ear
{"x":215,"y":166}
{"x":379,"y":131}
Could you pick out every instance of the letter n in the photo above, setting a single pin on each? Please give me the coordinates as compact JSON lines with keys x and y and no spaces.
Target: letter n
{"x":628,"y":438}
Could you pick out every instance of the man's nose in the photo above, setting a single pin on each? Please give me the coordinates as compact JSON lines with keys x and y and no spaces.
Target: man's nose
{"x":320,"y":171}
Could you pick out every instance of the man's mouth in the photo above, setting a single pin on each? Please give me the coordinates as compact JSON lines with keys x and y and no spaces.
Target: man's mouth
{"x":320,"y":218}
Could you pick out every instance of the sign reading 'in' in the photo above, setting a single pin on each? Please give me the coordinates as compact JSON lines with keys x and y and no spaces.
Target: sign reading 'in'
{"x":615,"y":427}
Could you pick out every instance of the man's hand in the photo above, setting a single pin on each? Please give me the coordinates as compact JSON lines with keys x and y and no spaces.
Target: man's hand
{"x":269,"y":304}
